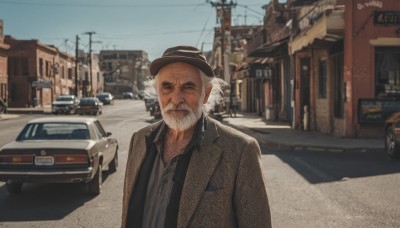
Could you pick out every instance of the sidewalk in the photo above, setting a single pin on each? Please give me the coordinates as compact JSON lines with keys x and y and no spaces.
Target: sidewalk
{"x":282,"y":136}
{"x":15,"y":112}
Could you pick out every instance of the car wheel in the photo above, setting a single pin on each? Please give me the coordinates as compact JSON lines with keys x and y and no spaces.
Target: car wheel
{"x":14,"y":187}
{"x":112,"y":167}
{"x":391,"y":145}
{"x":95,"y":183}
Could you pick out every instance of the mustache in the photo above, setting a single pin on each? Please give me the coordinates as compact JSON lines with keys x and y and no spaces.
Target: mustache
{"x":179,"y":107}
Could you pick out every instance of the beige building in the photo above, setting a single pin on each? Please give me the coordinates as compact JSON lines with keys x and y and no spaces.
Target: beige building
{"x":124,"y":70}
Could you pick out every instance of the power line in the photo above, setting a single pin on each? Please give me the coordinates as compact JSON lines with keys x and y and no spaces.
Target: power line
{"x":248,"y":8}
{"x":204,"y":28}
{"x":99,"y":5}
{"x":134,"y":36}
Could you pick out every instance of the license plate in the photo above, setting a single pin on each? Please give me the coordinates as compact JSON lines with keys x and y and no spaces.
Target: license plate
{"x":44,"y":160}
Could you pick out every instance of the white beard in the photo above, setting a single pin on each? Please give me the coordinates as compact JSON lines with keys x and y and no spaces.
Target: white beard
{"x":185,"y":122}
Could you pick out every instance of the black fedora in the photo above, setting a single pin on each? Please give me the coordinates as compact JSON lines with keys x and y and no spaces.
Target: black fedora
{"x":187,"y":54}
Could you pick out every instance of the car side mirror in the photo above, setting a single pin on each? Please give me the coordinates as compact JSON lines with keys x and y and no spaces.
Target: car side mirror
{"x":108,"y":134}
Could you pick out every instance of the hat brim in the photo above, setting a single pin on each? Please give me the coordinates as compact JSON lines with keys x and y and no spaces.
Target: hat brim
{"x":159,"y":63}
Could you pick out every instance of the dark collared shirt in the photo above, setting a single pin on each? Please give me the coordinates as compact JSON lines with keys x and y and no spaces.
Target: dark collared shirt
{"x":163,"y":177}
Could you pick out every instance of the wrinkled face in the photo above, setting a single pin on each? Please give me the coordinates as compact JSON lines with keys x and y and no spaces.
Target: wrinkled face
{"x":181,"y":95}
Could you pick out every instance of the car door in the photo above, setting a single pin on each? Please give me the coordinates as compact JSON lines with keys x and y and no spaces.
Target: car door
{"x":107,"y":144}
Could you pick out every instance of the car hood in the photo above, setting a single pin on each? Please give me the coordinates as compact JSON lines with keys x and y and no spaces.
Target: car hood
{"x":51,"y":144}
{"x":392,"y":118}
{"x":62,"y":102}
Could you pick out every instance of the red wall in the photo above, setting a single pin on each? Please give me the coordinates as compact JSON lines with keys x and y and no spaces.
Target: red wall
{"x":359,"y":54}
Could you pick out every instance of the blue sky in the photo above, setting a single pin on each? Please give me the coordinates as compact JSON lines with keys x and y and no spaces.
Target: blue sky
{"x":149,"y":25}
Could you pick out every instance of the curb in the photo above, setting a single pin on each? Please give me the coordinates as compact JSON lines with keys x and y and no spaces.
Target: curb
{"x":8,"y":116}
{"x":274,"y":145}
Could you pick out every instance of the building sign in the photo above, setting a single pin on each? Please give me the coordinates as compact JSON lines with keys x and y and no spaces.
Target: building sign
{"x":42,"y":84}
{"x":376,"y":111}
{"x":224,"y":14}
{"x":370,"y":3}
{"x":261,"y":72}
{"x":387,"y":17}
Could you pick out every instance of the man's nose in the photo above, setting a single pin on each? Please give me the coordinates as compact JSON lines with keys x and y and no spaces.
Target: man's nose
{"x":177,"y":97}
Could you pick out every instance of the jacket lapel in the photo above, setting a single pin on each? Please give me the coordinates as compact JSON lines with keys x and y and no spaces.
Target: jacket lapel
{"x":135,"y":160}
{"x":202,"y":165}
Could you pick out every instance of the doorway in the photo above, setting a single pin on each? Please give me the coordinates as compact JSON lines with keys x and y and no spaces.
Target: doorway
{"x":305,"y":92}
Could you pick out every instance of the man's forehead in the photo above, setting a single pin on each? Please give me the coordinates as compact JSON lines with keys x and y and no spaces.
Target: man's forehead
{"x":177,"y":80}
{"x":175,"y":74}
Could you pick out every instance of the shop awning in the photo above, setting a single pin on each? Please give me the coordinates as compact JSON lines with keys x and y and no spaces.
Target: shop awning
{"x":328,"y":28}
{"x":385,"y":41}
{"x":269,"y":50}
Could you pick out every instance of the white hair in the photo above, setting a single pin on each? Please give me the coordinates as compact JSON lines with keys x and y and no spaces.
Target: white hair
{"x":215,"y":97}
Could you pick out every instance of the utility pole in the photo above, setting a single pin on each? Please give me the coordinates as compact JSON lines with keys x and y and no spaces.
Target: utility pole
{"x":76,"y":65}
{"x":90,"y":60}
{"x":224,"y":12}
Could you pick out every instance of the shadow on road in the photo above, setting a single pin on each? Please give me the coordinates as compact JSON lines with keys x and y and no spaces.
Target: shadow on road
{"x":319,"y":167}
{"x":43,"y":202}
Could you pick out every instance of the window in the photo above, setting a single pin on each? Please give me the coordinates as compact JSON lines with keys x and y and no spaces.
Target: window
{"x":25,"y":66}
{"x":322,"y":78}
{"x":69,"y":73}
{"x":41,"y":67}
{"x":338,"y":84}
{"x":12,"y":66}
{"x":387,"y":75}
{"x":99,"y":130}
{"x":47,"y":68}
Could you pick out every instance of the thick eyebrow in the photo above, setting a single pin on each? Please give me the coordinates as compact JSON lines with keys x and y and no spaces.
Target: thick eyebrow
{"x":166,"y":83}
{"x":189,"y":84}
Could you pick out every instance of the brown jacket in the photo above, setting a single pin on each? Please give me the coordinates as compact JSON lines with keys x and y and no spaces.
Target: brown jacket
{"x":224,"y":185}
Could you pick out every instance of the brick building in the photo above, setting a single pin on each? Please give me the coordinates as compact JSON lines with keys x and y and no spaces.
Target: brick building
{"x":38,"y":73}
{"x":347,"y":66}
{"x":3,"y":65}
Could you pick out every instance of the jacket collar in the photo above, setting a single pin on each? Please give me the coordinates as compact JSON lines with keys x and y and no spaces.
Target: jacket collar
{"x":203,"y":162}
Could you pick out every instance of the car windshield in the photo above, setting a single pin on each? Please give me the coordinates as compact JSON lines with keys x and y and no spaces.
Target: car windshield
{"x":54,"y":131}
{"x":87,"y":102}
{"x":64,"y":99}
{"x":102,"y":95}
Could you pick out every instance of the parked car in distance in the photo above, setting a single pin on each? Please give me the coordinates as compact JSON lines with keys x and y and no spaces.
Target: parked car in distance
{"x":141,"y":94}
{"x":65,"y":104}
{"x":392,"y":136}
{"x":90,"y":105}
{"x":149,"y":102}
{"x":106,"y":98}
{"x":3,"y":106}
{"x":59,"y":150}
{"x":127,"y":95}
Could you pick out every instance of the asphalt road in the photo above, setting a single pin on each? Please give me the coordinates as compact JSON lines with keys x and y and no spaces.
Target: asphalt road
{"x":70,"y":205}
{"x":306,"y":188}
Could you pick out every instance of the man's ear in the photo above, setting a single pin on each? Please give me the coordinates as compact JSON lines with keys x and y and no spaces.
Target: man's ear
{"x":208,"y":92}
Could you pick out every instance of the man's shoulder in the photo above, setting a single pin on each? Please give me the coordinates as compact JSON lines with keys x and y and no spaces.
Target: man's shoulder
{"x":230,"y":133}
